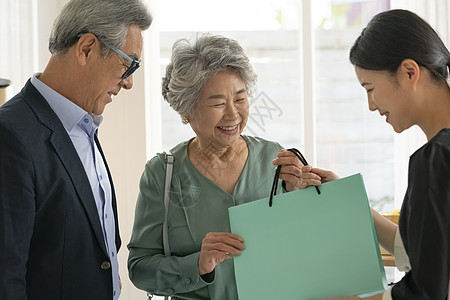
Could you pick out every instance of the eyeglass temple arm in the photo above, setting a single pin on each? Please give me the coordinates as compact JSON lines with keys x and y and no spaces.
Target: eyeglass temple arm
{"x":113,"y":48}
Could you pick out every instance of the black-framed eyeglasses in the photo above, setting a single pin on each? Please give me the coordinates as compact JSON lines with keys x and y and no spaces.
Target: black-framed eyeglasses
{"x":135,"y":64}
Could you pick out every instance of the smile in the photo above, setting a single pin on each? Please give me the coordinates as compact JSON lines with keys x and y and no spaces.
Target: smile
{"x":229,"y":128}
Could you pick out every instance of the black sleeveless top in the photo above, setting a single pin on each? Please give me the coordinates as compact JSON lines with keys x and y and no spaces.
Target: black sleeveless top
{"x":425,"y":222}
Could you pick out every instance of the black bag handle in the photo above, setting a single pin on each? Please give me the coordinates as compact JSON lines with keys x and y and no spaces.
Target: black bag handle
{"x":277,"y":174}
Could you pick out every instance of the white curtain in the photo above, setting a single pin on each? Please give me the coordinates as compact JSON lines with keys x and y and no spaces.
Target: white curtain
{"x":18,"y":41}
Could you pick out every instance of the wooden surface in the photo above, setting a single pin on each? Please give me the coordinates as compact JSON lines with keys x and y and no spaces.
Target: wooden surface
{"x":388,"y":260}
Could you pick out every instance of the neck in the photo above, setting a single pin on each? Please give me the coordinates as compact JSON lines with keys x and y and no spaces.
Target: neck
{"x":435,"y":111}
{"x":53,"y":77}
{"x":212,"y":152}
{"x":60,"y":76}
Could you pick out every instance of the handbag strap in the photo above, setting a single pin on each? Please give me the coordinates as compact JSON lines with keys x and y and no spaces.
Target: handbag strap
{"x":169,"y":167}
{"x":277,"y":174}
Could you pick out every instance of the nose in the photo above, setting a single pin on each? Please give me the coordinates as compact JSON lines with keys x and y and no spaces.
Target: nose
{"x":127,"y":83}
{"x":232,"y":111}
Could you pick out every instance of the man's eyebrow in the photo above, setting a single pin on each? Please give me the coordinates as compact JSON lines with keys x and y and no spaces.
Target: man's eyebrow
{"x":241,"y":91}
{"x":364,"y":84}
{"x":134,"y":56}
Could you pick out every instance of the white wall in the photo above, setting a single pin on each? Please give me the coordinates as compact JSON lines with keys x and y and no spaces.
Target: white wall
{"x":130,"y":123}
{"x":122,"y":135}
{"x":131,"y":133}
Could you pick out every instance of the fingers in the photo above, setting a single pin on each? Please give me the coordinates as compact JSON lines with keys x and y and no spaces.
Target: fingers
{"x":291,"y":172}
{"x":299,"y":178}
{"x":287,"y":158}
{"x":325,"y":175}
{"x":294,"y":173}
{"x":223,"y":241}
{"x":217,"y":247}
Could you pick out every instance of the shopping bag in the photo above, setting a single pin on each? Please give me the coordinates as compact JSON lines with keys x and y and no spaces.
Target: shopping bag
{"x":308,"y":245}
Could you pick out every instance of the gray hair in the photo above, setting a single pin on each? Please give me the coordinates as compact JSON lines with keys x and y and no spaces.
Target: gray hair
{"x":192,"y":64}
{"x":107,"y":19}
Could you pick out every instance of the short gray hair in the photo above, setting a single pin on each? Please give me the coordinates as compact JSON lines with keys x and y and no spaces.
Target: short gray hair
{"x":192,"y":64}
{"x":109,"y":20}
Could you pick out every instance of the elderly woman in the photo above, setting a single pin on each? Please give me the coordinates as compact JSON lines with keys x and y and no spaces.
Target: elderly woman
{"x":208,"y":84}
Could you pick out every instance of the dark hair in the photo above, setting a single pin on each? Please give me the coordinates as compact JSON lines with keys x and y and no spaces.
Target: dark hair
{"x":395,"y":35}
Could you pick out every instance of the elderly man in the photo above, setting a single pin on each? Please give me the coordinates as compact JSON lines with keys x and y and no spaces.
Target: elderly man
{"x":58,"y":219}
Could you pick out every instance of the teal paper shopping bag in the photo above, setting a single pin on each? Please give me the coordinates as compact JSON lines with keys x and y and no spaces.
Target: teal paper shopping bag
{"x":308,"y":245}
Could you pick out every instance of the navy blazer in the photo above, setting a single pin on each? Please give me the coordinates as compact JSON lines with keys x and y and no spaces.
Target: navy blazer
{"x":51,"y":241}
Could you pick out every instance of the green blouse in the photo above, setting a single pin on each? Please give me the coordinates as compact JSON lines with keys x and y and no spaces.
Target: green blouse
{"x":197,"y":206}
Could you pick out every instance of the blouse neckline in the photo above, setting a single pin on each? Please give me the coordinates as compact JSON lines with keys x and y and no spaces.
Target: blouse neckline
{"x":191,"y":166}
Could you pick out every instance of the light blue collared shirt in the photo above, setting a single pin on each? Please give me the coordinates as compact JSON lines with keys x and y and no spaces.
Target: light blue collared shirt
{"x":81,"y":128}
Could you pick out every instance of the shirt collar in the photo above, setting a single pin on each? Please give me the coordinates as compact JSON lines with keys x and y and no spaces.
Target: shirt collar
{"x":68,"y":112}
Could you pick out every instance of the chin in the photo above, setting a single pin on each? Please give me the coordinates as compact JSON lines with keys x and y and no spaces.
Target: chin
{"x":398,"y":129}
{"x":99,"y":110}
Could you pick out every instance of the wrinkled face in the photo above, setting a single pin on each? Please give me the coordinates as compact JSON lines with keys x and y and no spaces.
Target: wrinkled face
{"x":221,"y":111}
{"x":105,"y":78}
{"x":387,"y":95}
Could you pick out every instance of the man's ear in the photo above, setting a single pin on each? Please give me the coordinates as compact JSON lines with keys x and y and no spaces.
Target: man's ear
{"x":84,"y":47}
{"x":410,"y":70}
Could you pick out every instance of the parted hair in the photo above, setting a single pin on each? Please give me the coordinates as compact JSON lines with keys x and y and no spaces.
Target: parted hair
{"x":193,"y":63}
{"x":395,"y":35}
{"x":107,"y":19}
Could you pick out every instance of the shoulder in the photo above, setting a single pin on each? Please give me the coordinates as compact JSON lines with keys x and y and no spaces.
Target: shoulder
{"x":429,"y":167}
{"x":29,"y":113}
{"x":14,"y":110}
{"x":434,"y":154}
{"x":18,"y":122}
{"x":442,"y":140}
{"x":179,"y":152}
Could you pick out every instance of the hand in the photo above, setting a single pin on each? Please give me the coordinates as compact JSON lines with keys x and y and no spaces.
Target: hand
{"x":325,"y":176}
{"x":294,"y":173}
{"x":216,"y":247}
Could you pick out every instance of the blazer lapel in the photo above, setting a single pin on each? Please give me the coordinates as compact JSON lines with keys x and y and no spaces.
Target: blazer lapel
{"x":113,"y":194}
{"x":68,"y":155}
{"x":69,"y":158}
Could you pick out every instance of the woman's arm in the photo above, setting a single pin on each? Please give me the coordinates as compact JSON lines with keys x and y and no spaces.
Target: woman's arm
{"x":386,"y":231}
{"x":149,"y":269}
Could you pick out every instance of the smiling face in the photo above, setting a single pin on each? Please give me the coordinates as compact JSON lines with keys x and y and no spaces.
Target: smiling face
{"x":221,"y":111}
{"x":105,"y":74}
{"x":389,"y":95}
